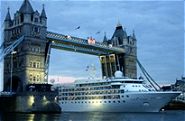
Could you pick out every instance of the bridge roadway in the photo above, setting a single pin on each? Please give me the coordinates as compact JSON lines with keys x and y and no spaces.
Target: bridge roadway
{"x":70,"y":43}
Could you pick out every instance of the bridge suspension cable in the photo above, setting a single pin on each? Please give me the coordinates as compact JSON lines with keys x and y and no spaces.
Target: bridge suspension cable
{"x":148,"y":77}
{"x":10,"y":48}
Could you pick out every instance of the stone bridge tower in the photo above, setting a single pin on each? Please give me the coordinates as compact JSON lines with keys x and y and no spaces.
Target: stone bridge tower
{"x":29,"y":59}
{"x":125,"y":62}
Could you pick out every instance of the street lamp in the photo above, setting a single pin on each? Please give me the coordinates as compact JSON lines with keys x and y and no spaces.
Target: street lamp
{"x":12,"y":53}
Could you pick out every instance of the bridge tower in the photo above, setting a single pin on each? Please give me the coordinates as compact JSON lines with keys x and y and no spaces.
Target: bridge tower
{"x":125,"y":62}
{"x":29,"y":58}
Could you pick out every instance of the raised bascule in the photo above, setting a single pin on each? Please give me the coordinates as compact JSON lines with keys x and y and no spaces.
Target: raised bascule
{"x":27,"y":45}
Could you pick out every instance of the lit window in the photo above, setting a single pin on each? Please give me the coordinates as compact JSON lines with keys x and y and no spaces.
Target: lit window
{"x":34,"y":64}
{"x":38,"y":65}
{"x":31,"y":77}
{"x":34,"y":78}
{"x":37,"y":77}
{"x":30,"y":64}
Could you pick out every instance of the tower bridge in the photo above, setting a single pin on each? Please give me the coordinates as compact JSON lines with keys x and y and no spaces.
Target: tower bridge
{"x":31,"y":61}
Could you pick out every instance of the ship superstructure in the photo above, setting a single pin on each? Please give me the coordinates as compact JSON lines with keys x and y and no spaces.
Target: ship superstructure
{"x":117,"y":94}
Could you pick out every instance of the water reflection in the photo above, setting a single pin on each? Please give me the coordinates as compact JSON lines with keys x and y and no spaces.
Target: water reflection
{"x":95,"y":116}
{"x":31,"y":117}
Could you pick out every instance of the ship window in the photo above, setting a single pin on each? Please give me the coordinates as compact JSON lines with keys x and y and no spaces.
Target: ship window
{"x":105,"y":101}
{"x":127,"y":96}
{"x":122,"y":91}
{"x":123,"y":101}
{"x":114,"y":101}
{"x":109,"y":101}
{"x":118,"y":101}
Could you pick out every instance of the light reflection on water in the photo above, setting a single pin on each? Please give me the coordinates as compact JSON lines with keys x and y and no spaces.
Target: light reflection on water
{"x":96,"y":116}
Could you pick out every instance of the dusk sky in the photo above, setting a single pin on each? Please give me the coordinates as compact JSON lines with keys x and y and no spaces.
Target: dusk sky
{"x":158,"y":26}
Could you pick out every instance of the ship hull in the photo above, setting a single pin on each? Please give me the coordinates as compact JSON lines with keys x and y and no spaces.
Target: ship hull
{"x":128,"y":102}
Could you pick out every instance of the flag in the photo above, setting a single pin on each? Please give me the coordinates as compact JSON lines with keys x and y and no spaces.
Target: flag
{"x":98,"y":32}
{"x":77,"y":28}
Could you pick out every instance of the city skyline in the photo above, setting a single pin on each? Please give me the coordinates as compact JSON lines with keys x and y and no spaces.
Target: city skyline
{"x":159,"y":29}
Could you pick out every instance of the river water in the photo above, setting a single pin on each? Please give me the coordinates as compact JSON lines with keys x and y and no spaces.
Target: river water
{"x":96,"y":116}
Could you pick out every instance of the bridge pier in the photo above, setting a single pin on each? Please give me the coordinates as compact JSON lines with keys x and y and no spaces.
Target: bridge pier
{"x":30,"y":102}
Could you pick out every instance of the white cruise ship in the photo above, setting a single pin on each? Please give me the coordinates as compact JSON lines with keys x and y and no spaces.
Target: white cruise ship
{"x":117,"y":94}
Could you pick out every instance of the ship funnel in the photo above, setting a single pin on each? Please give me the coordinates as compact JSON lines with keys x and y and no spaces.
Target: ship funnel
{"x":118,"y":74}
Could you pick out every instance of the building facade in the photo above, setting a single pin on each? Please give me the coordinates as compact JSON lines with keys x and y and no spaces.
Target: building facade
{"x":27,"y":64}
